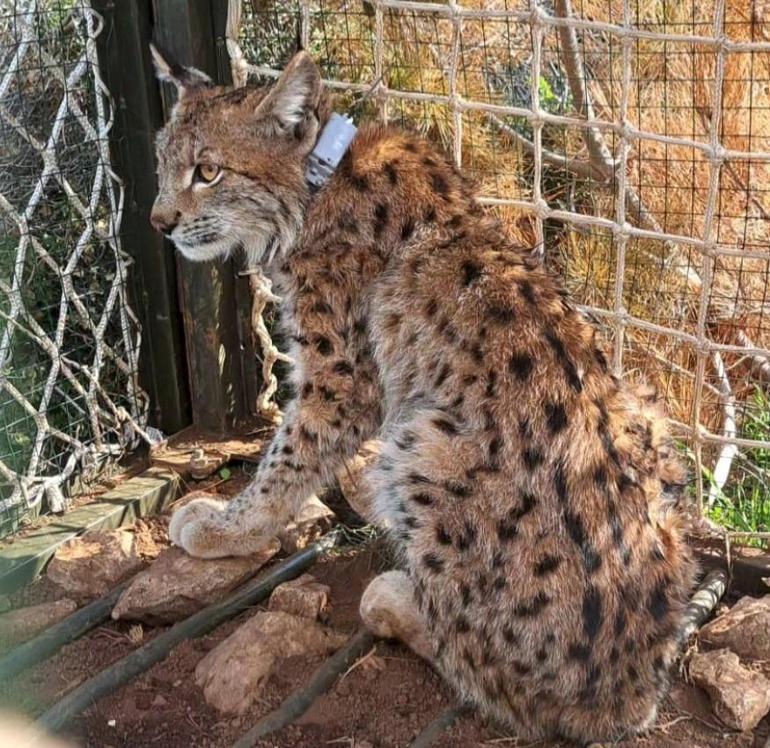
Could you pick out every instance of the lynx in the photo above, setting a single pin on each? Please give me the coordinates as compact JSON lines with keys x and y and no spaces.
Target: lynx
{"x":531,"y":494}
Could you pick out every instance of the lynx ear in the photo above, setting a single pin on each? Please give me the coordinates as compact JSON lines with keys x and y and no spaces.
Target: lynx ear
{"x":170,"y":71}
{"x":291,"y":104}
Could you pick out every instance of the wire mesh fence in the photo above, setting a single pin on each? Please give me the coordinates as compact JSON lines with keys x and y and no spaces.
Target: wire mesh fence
{"x":69,"y":341}
{"x":628,"y":142}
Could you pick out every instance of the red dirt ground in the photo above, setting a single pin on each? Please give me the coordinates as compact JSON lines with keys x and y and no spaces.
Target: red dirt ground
{"x":383,"y":701}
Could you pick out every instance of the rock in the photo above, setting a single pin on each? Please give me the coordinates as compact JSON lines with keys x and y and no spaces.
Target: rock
{"x":23,"y":623}
{"x":744,"y":629}
{"x":233,"y":674}
{"x":740,"y":697}
{"x":303,"y":596}
{"x":178,"y":585}
{"x":89,"y":566}
{"x":313,"y":520}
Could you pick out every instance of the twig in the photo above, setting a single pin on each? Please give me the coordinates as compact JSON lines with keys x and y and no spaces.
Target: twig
{"x":320,"y":682}
{"x":703,"y":602}
{"x":443,"y":722}
{"x":760,"y":366}
{"x":600,"y":155}
{"x":576,"y":166}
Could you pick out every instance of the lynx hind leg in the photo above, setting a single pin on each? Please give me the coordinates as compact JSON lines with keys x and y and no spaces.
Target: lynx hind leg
{"x":388,"y":609}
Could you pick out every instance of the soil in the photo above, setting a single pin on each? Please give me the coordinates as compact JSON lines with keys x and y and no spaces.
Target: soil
{"x":384,"y":700}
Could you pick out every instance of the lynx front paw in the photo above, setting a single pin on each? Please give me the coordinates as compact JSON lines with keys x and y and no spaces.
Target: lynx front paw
{"x":198,"y":526}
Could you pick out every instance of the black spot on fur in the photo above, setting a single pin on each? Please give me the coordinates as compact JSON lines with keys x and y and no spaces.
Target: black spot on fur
{"x":574,"y":525}
{"x":321,"y":307}
{"x":501,"y":314}
{"x":521,"y":668}
{"x":507,"y":530}
{"x":547,"y":565}
{"x":462,"y":625}
{"x":431,"y":308}
{"x":528,"y":503}
{"x":307,"y":435}
{"x":532,"y":607}
{"x":360,"y":182}
{"x":407,"y":229}
{"x":620,"y":623}
{"x":445,"y":425}
{"x":491,"y":382}
{"x":440,"y":184}
{"x":532,"y":458}
{"x":556,"y":417}
{"x":509,"y":635}
{"x":433,"y":563}
{"x":380,"y":219}
{"x":390,"y":172}
{"x":525,"y":287}
{"x":658,"y":603}
{"x":307,"y":389}
{"x":467,"y":538}
{"x":560,"y":482}
{"x":579,"y":651}
{"x":466,"y":595}
{"x":423,"y":499}
{"x":471,"y":272}
{"x":323,"y":345}
{"x":566,"y":363}
{"x":592,"y":612}
{"x":520,"y":366}
{"x":288,"y":449}
{"x":457,"y":489}
{"x":343,"y":367}
{"x":601,"y":359}
{"x":446,"y":370}
{"x":442,"y":536}
{"x":347,"y":223}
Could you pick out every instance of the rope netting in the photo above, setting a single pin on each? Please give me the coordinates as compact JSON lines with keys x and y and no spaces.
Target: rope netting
{"x":628,"y":141}
{"x":69,"y":341}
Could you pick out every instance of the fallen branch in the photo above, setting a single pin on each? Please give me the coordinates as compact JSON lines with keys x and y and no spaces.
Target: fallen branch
{"x":142,"y":659}
{"x":320,"y":682}
{"x":703,"y":602}
{"x":576,"y":166}
{"x":54,"y":638}
{"x":443,"y":722}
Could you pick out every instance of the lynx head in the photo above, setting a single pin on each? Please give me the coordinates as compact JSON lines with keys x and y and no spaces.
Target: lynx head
{"x":231,"y":163}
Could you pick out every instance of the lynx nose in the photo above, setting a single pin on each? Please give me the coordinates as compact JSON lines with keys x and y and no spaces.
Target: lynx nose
{"x":164,"y":222}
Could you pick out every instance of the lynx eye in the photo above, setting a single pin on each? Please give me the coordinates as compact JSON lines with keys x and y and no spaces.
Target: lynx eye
{"x":206,"y":172}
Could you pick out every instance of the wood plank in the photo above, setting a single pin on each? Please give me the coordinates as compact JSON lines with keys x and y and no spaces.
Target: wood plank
{"x":141,"y":496}
{"x":124,"y":57}
{"x":187,"y":30}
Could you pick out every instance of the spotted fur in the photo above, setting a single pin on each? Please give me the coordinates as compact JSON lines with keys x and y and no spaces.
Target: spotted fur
{"x":526,"y":487}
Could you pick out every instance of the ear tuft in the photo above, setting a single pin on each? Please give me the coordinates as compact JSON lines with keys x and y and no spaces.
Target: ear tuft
{"x":185,"y":79}
{"x":292,"y":102}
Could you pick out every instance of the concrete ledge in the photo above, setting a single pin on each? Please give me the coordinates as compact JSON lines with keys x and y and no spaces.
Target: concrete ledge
{"x":141,"y":496}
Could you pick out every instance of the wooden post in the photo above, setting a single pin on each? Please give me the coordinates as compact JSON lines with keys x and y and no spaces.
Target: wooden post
{"x":193,"y":32}
{"x":127,"y":71}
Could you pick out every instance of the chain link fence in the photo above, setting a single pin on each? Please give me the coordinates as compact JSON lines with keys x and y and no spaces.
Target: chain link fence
{"x":69,"y":341}
{"x":628,"y":141}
